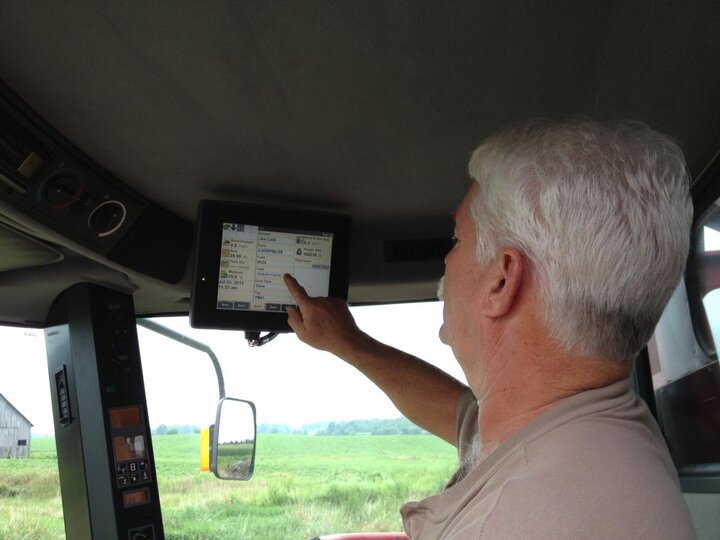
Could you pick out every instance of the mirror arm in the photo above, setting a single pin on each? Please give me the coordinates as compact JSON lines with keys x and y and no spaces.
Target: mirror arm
{"x":190,"y":342}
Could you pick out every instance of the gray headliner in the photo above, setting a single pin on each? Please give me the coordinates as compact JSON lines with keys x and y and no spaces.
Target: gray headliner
{"x":368,"y":108}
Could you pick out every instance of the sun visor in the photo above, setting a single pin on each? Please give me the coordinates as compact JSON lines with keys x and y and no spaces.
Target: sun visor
{"x":21,"y":251}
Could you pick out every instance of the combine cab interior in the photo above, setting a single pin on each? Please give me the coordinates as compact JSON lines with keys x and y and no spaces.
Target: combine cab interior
{"x":117,"y":119}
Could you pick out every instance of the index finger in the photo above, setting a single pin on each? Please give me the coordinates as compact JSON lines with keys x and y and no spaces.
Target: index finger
{"x":296,"y":290}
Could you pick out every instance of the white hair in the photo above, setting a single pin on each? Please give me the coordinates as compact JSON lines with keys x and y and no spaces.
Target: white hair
{"x":603,"y":214}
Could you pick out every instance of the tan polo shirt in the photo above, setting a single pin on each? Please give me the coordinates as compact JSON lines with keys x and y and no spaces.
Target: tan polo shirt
{"x":594,"y":466}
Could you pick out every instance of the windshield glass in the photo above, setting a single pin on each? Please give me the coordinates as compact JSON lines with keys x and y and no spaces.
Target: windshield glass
{"x":290,"y":383}
{"x":333,"y":454}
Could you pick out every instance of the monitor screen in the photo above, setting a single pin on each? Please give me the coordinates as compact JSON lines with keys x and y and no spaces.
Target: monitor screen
{"x":253,"y":259}
{"x":242,"y":253}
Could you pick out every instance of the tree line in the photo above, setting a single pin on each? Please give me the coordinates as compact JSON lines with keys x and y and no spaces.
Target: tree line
{"x":395,"y":426}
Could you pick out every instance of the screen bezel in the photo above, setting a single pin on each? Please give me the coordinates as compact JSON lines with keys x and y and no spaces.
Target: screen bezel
{"x":208,"y":244}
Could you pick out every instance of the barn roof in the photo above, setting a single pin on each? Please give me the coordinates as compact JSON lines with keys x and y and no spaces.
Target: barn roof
{"x":3,"y":398}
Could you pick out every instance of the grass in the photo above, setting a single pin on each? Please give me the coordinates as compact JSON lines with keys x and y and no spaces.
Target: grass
{"x":303,"y":486}
{"x":30,"y":506}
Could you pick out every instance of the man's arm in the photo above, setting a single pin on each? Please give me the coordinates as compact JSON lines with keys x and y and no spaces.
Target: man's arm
{"x":424,"y":394}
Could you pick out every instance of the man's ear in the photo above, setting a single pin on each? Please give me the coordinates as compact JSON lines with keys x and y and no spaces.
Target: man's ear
{"x":504,"y":281}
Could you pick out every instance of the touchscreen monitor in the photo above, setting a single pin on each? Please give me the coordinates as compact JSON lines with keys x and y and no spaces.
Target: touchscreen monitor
{"x":242,"y":253}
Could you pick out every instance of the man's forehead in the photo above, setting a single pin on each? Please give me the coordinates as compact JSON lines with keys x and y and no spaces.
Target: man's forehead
{"x":464,"y":206}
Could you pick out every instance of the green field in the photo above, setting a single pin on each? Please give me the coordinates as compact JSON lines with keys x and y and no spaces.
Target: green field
{"x":303,"y":486}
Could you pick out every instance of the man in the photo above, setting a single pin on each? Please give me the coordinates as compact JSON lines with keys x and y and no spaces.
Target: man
{"x":569,"y":243}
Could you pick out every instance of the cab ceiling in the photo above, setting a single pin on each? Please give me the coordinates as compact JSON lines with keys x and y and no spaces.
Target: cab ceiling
{"x":367,"y":108}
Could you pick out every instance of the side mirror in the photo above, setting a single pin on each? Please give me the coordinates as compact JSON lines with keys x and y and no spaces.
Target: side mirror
{"x":232,"y":452}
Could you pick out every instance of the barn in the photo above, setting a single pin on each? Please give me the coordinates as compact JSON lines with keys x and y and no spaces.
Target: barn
{"x":14,"y":431}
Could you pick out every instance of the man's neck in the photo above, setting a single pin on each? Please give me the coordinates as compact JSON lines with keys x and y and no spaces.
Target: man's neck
{"x":508,"y":402}
{"x":516,"y":369}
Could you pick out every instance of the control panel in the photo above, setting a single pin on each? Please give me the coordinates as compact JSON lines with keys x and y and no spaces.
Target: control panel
{"x":47,"y":178}
{"x":132,"y":466}
{"x":102,"y":431}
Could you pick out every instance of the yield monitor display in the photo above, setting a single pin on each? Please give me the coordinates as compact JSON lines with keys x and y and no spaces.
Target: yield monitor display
{"x":242,"y":253}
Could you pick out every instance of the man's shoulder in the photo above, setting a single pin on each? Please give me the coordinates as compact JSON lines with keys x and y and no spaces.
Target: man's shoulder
{"x":604,"y":475}
{"x":604,"y":429}
{"x":601,"y":451}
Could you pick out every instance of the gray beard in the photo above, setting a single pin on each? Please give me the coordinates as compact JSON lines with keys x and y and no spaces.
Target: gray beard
{"x":469,"y":458}
{"x":473,"y":455}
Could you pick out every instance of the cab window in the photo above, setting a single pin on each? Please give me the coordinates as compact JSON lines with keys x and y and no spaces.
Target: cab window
{"x":683,"y":357}
{"x":333,"y":454}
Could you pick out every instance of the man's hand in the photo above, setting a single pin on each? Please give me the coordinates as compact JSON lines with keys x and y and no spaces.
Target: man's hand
{"x":423,"y":393}
{"x":323,"y":323}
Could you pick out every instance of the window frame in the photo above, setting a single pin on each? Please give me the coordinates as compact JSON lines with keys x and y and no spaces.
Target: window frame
{"x":672,"y":401}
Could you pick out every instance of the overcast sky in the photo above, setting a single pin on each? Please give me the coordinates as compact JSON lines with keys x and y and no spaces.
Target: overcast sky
{"x":289,"y":382}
